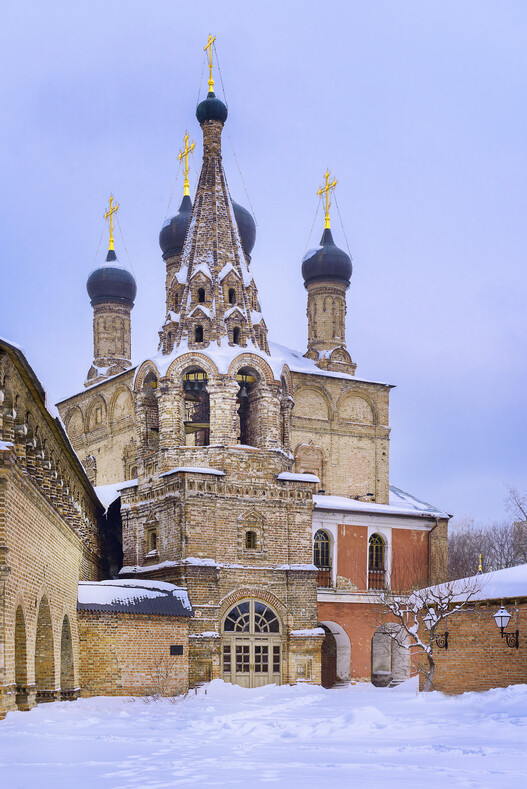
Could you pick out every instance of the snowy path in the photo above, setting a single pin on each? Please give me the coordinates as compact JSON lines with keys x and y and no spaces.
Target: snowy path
{"x":299,"y":736}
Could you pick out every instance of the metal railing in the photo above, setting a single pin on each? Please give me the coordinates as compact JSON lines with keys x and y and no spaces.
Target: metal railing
{"x":324,"y":577}
{"x":375,"y":579}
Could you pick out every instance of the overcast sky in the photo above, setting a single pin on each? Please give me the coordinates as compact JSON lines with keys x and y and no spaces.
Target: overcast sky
{"x":419,"y":110}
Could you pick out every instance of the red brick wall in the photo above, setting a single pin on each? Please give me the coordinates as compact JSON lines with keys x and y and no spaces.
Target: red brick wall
{"x":359,"y":622}
{"x":409,"y":559}
{"x":477,"y":657}
{"x":353,"y":554}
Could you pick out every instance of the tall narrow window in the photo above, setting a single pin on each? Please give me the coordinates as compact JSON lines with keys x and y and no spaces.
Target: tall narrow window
{"x":376,"y":551}
{"x":201,"y":295}
{"x":198,"y":334}
{"x":232,"y":296}
{"x":236,"y":335}
{"x":322,"y":558}
{"x":250,"y":539}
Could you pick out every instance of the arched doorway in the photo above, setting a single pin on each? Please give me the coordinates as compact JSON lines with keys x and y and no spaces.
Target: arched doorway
{"x":21,"y":660}
{"x":44,"y":656}
{"x":252,"y":645}
{"x":342,"y":658}
{"x":328,"y":659}
{"x":67,"y":677}
{"x":390,"y":660}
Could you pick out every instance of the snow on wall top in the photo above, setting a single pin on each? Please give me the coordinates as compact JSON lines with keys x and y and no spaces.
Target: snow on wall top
{"x":134,"y":596}
{"x":194,"y":470}
{"x":290,"y":477}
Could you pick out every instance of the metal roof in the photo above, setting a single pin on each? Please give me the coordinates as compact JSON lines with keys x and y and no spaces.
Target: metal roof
{"x":134,"y":596}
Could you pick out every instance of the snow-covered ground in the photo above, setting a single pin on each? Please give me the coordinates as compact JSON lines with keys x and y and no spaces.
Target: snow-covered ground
{"x":300,"y":736}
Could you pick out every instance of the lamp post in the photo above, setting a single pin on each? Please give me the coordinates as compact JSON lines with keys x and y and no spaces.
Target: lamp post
{"x":441,"y":640}
{"x":502,"y":619}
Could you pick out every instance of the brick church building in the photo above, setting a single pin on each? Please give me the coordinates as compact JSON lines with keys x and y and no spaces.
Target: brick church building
{"x":249,"y":512}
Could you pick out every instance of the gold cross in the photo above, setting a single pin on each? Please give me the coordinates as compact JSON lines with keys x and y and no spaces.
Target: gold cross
{"x":325,"y":190}
{"x":209,"y":47}
{"x":109,"y":215}
{"x":184,"y":155}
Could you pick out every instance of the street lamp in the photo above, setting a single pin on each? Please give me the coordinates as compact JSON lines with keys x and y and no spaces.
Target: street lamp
{"x":441,"y":640}
{"x":502,"y":619}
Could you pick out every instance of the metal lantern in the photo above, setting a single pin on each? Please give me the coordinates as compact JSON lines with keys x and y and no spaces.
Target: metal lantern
{"x":502,"y":618}
{"x":428,"y":619}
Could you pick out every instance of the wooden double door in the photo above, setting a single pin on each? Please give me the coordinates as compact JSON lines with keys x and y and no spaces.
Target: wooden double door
{"x":251,"y":646}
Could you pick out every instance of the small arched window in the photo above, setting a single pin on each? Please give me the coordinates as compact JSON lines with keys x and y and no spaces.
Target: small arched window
{"x":198,"y":334}
{"x":322,"y":558}
{"x":376,"y":552}
{"x":153,"y":541}
{"x":236,"y":335}
{"x":232,"y":296}
{"x":250,"y":539}
{"x":321,"y":553}
{"x":201,"y":295}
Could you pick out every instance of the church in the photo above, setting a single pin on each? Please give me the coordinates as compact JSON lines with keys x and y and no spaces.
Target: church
{"x":231,"y":515}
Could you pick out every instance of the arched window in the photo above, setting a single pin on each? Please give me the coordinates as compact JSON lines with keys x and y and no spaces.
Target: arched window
{"x":236,"y":335}
{"x":232,"y":296}
{"x":248,"y":410}
{"x":201,"y":295}
{"x":251,"y":618}
{"x":322,"y":558}
{"x":153,"y":541}
{"x":250,"y":539}
{"x":198,"y":334}
{"x":197,"y":408}
{"x":376,"y":551}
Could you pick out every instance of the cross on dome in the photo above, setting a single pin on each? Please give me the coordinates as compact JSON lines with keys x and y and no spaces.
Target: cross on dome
{"x":184,"y":155}
{"x":209,"y":47}
{"x":325,"y":190}
{"x":108,"y":215}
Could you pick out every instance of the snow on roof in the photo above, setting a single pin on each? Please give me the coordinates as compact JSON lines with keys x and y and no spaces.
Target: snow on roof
{"x":401,"y":503}
{"x":201,"y":267}
{"x":228,"y":267}
{"x":134,"y":597}
{"x":6,"y":445}
{"x":399,"y":498}
{"x":498,"y":585}
{"x":200,"y":308}
{"x":232,"y":310}
{"x":194,"y":470}
{"x":222,"y":355}
{"x":181,"y":275}
{"x":107,"y":494}
{"x":311,"y":252}
{"x":289,"y":477}
{"x":256,"y":317}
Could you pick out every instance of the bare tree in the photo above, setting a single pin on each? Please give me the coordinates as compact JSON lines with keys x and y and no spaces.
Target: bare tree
{"x":499,"y":545}
{"x":516,"y":503}
{"x":429,"y":607}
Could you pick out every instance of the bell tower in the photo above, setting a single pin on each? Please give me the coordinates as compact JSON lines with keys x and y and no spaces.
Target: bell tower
{"x":112,"y":290}
{"x":327,"y":272}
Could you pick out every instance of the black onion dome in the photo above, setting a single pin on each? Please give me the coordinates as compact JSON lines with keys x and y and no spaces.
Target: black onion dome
{"x":111,"y":283}
{"x":246,"y":227}
{"x":326,"y":262}
{"x":173,"y":232}
{"x":211,"y":109}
